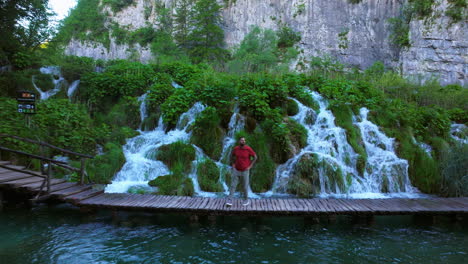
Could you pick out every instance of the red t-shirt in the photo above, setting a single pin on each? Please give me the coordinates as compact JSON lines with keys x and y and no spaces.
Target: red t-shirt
{"x":243,"y":157}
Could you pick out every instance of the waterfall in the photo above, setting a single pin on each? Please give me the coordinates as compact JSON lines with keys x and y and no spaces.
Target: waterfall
{"x":143,"y":113}
{"x":384,"y":170}
{"x":52,"y":71}
{"x":72,"y":88}
{"x":140,"y":166}
{"x":325,"y":140}
{"x":459,"y":132}
{"x":58,"y":83}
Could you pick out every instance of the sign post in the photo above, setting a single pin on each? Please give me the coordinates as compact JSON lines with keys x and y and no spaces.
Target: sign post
{"x":26,"y":104}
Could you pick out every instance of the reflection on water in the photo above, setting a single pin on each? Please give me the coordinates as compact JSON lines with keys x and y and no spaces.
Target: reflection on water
{"x":64,"y":235}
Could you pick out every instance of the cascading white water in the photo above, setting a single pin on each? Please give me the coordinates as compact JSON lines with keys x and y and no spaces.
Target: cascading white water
{"x":58,"y":83}
{"x":143,"y":112}
{"x":459,"y":132}
{"x":72,"y":88}
{"x":384,"y":170}
{"x":325,"y":140}
{"x":140,"y":166}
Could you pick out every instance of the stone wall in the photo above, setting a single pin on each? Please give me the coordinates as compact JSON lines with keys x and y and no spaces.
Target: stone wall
{"x":438,"y":48}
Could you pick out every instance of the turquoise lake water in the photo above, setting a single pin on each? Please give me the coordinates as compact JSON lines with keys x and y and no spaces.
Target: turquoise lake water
{"x":62,"y":234}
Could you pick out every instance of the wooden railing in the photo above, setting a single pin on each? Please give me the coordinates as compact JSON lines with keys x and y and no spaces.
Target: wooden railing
{"x":45,"y":160}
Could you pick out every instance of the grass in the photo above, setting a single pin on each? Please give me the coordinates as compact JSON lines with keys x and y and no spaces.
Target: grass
{"x":208,"y":176}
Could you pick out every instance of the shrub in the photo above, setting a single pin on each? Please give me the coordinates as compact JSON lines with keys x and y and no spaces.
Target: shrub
{"x":207,"y":134}
{"x":102,"y":168}
{"x":177,"y":154}
{"x":208,"y":176}
{"x":178,"y":103}
{"x":454,"y":165}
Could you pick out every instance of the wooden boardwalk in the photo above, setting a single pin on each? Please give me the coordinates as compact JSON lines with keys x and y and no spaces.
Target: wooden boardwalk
{"x":85,"y":196}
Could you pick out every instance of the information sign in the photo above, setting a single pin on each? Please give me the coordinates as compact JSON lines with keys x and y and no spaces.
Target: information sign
{"x":26,"y":102}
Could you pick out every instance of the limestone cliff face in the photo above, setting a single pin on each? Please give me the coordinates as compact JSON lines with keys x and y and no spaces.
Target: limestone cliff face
{"x":357,"y":34}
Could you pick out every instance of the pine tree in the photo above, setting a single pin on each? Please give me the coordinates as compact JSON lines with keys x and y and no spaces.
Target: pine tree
{"x":206,"y":39}
{"x":182,"y":22}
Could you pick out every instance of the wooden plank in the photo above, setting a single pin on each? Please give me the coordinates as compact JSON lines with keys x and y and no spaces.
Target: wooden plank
{"x":82,"y":196}
{"x":13,"y":176}
{"x":37,"y":185}
{"x":17,"y":183}
{"x":71,"y":190}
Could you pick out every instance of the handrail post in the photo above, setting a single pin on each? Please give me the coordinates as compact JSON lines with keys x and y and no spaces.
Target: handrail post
{"x":82,"y":170}
{"x":41,"y":151}
{"x":49,"y":175}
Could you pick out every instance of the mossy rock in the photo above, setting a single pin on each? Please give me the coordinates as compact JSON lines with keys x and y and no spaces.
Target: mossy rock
{"x":311,"y":117}
{"x":250,"y":124}
{"x":207,"y":133}
{"x":150,"y":122}
{"x":173,"y":184}
{"x":292,"y":108}
{"x":208,"y":176}
{"x":305,"y":180}
{"x":263,"y":172}
{"x":177,"y":153}
{"x":298,"y":135}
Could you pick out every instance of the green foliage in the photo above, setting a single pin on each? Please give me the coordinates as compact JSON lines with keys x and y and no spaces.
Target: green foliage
{"x":292,"y":108}
{"x":182,"y":19}
{"x":181,"y":73}
{"x":262,"y":174}
{"x":261,"y":50}
{"x":73,"y":67}
{"x":101,"y":90}
{"x":454,"y":165}
{"x":23,"y":27}
{"x":118,"y":5}
{"x":305,"y":180}
{"x":344,"y":91}
{"x":457,"y":10}
{"x":399,"y":27}
{"x":208,"y":176}
{"x":207,"y":134}
{"x":178,"y":103}
{"x":159,"y":92}
{"x":177,"y":156}
{"x":298,"y":134}
{"x":422,"y":8}
{"x":287,"y":37}
{"x":279,"y":137}
{"x":175,"y":183}
{"x":213,"y":89}
{"x":325,"y":65}
{"x":206,"y":40}
{"x":85,"y":22}
{"x":344,"y":119}
{"x":102,"y":168}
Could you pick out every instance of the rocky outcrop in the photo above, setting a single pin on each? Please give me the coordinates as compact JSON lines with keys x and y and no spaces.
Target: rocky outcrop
{"x":356,"y":34}
{"x":439,"y":48}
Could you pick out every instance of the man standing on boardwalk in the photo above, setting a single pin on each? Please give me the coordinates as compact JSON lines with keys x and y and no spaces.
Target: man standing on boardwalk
{"x":243,"y":158}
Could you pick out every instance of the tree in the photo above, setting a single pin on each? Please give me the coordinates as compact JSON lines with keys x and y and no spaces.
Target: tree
{"x":23,"y":27}
{"x":182,"y":20}
{"x":206,"y":39}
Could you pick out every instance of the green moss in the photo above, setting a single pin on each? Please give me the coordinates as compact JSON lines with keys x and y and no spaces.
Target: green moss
{"x":262,"y":174}
{"x":207,"y":134}
{"x":208,"y":176}
{"x":343,"y":118}
{"x":305,"y":180}
{"x":176,"y":183}
{"x":457,"y":10}
{"x":177,"y":153}
{"x":298,"y":134}
{"x":423,"y":170}
{"x":292,"y":108}
{"x":102,"y":168}
{"x":454,"y":165}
